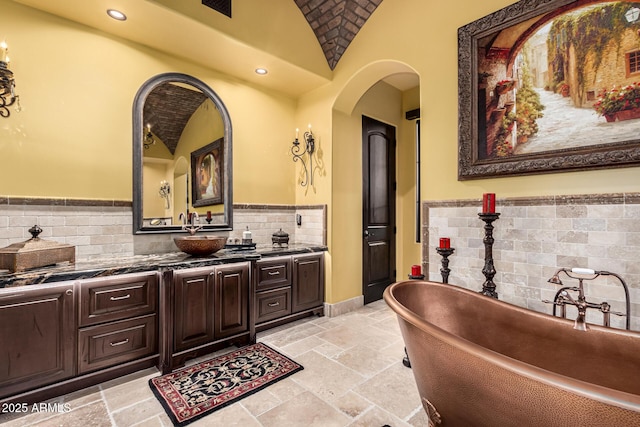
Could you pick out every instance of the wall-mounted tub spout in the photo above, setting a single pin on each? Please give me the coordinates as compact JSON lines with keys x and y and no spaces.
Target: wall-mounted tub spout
{"x":564,"y":298}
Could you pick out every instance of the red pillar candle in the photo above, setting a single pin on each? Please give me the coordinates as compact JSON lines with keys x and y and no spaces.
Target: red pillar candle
{"x":416,"y":270}
{"x":209,"y":215}
{"x":488,"y":203}
{"x":445,"y":243}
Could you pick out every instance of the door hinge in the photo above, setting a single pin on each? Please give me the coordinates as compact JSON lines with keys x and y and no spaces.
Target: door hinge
{"x":394,"y":274}
{"x":395,"y":230}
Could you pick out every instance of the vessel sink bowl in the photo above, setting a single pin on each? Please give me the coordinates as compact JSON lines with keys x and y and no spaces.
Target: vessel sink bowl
{"x":200,"y":245}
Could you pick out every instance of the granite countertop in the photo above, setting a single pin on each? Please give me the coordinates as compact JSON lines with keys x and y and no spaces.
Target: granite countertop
{"x":100,"y":267}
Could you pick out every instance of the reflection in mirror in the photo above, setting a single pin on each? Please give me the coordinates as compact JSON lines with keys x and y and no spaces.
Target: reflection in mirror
{"x":177,"y":118}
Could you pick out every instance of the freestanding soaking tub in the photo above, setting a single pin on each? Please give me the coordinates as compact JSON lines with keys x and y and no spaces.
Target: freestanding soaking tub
{"x":478,"y":361}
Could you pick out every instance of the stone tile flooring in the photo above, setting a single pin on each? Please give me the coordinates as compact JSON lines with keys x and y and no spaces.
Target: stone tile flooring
{"x":353,"y":376}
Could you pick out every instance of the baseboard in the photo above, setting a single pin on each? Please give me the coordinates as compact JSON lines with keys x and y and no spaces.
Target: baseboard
{"x":343,"y":307}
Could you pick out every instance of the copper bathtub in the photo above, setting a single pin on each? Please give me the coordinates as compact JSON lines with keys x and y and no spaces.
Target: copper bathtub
{"x":478,"y":361}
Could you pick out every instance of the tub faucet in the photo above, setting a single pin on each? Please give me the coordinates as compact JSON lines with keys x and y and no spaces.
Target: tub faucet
{"x":563,"y":297}
{"x":191,"y":228}
{"x":581,"y":304}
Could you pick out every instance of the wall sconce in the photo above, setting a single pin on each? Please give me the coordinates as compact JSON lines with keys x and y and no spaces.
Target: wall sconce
{"x":298,"y":151}
{"x":7,"y":83}
{"x":148,"y":139}
{"x":164,"y":192}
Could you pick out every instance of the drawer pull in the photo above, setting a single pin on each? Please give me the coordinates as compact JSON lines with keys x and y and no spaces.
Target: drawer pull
{"x":127,"y":296}
{"x":115,"y":344}
{"x":274,"y":304}
{"x":274,"y":273}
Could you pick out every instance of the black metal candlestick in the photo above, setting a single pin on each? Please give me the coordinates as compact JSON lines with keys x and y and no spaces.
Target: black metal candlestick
{"x":444,"y":270}
{"x":488,"y":287}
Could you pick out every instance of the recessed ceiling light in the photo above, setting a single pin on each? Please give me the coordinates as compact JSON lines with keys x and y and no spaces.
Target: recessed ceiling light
{"x":261,"y":71}
{"x":116,"y":14}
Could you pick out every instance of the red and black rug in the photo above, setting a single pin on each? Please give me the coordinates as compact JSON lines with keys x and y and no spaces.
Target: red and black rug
{"x":190,"y":393}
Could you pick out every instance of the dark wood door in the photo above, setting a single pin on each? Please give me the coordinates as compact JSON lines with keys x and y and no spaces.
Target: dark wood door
{"x":232,"y":301}
{"x":37,"y":337}
{"x":378,"y":207}
{"x":308,"y":282}
{"x":193,"y":311}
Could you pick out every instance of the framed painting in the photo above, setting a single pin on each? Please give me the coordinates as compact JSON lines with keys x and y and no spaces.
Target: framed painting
{"x":206,"y":174}
{"x":549,"y":86}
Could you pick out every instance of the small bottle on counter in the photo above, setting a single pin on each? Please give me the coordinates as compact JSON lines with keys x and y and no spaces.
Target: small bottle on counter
{"x":246,"y":237}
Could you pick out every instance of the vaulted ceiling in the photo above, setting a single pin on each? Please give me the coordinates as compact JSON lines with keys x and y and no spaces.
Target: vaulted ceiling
{"x":336,"y":22}
{"x":234,"y":38}
{"x":167,"y":109}
{"x":300,"y":42}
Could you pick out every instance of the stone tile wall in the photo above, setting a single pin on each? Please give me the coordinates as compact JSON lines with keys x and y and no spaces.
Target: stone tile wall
{"x":104,"y":228}
{"x":262,"y":220}
{"x":95,"y":231}
{"x":536,"y":236}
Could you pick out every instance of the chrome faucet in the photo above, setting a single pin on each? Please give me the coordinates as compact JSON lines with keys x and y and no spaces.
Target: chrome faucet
{"x":191,"y":228}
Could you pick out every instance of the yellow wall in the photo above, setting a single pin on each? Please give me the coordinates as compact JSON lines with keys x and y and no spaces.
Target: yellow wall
{"x":427,"y":43}
{"x":155,"y":171}
{"x":73,"y":137}
{"x":409,"y":251}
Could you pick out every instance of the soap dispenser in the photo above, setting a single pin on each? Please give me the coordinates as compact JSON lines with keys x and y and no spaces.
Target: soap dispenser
{"x":246,"y":237}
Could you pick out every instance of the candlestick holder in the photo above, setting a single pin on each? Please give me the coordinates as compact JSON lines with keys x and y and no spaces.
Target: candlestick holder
{"x":208,"y":220}
{"x":488,"y":287}
{"x":445,"y":253}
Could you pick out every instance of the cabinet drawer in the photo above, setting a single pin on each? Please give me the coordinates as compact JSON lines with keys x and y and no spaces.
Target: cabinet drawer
{"x":117,"y":297}
{"x":273,"y":273}
{"x":116,"y":342}
{"x":273,"y":304}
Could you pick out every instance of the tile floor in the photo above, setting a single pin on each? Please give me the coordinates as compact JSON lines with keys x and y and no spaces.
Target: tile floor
{"x":353,"y":376}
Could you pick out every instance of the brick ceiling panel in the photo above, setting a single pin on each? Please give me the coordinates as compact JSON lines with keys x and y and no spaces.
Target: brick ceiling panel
{"x":336,"y":22}
{"x":167,"y":110}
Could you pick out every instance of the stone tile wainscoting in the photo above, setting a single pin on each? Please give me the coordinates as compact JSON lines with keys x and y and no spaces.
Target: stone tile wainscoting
{"x":262,"y":220}
{"x":96,"y":228}
{"x":104,"y":228}
{"x":536,"y":236}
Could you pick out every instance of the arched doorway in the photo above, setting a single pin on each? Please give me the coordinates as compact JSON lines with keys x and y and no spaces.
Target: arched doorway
{"x":378,"y":91}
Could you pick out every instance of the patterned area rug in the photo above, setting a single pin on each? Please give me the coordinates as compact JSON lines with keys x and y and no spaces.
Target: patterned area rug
{"x":190,"y":393}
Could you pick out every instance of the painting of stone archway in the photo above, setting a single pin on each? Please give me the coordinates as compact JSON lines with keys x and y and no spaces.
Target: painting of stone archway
{"x":547,"y":86}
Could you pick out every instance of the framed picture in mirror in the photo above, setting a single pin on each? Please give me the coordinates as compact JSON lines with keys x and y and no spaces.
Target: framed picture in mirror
{"x":206,"y":174}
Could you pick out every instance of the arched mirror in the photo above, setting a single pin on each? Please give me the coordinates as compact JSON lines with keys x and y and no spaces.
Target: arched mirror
{"x":182,"y":156}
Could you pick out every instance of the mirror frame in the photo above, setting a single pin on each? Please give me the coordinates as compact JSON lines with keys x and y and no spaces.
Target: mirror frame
{"x":138,"y":107}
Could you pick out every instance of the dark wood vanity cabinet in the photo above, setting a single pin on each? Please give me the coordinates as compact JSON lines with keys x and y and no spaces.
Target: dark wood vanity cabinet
{"x":210,"y":305}
{"x":67,"y":336}
{"x":288,"y":288}
{"x":37,"y":337}
{"x":193,"y":307}
{"x":232,"y":301}
{"x":118,"y":320}
{"x":308,"y":282}
{"x":57,"y":338}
